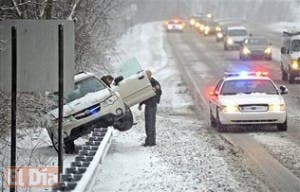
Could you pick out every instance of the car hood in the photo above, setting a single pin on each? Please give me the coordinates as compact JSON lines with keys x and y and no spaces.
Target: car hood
{"x":246,"y":99}
{"x":82,"y":103}
{"x":295,"y":55}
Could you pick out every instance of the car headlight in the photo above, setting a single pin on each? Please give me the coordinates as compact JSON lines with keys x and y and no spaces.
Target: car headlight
{"x":268,"y":50}
{"x":180,"y":27}
{"x":229,"y":108}
{"x":192,"y":21}
{"x":219,"y":35}
{"x":66,"y":120}
{"x":294,"y":64}
{"x":218,"y":29}
{"x":169,"y":27}
{"x":277,"y":107}
{"x":246,"y":51}
{"x":229,"y":41}
{"x":109,"y":101}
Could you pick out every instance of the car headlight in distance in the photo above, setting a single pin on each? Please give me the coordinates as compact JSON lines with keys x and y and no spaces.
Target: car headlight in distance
{"x":295,"y":64}
{"x":219,"y":35}
{"x":109,"y":101}
{"x":229,"y":41}
{"x":246,"y":51}
{"x":192,"y":21}
{"x":218,"y":29}
{"x":230,"y":108}
{"x":169,"y":27}
{"x":268,"y":50}
{"x":277,"y":107}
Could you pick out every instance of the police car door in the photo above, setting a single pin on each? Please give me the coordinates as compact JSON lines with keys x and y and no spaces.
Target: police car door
{"x":135,"y":87}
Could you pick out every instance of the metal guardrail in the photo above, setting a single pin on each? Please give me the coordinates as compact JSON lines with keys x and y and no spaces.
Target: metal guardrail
{"x":78,"y":176}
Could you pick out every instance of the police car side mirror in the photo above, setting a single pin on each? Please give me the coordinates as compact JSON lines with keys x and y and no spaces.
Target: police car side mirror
{"x":283,"y":90}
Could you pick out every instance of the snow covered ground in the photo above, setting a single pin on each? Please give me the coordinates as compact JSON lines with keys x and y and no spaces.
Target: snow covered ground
{"x":187,"y":157}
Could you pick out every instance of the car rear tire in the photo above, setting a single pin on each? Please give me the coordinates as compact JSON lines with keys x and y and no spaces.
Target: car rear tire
{"x":282,"y":126}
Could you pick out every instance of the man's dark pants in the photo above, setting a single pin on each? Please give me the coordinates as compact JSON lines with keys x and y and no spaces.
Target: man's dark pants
{"x":150,"y":119}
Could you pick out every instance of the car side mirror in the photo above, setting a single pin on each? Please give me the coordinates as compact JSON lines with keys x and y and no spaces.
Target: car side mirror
{"x":283,"y":90}
{"x":283,"y":50}
{"x":118,"y":80}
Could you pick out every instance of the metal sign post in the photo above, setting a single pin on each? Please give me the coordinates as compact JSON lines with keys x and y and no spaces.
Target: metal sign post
{"x":60,"y":98}
{"x":13,"y":107}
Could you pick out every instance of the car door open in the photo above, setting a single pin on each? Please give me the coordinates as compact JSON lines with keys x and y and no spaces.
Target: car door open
{"x":135,"y":89}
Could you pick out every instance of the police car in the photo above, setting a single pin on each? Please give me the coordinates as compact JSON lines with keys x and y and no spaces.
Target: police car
{"x":247,"y":98}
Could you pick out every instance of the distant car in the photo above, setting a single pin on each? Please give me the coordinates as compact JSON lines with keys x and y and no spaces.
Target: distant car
{"x":247,"y":99}
{"x":290,"y":56}
{"x":211,"y":27}
{"x":256,"y":48}
{"x":175,"y":25}
{"x":234,"y":37}
{"x":92,"y":104}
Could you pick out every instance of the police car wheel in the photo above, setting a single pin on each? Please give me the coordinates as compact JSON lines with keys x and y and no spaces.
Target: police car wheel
{"x":220,"y":126}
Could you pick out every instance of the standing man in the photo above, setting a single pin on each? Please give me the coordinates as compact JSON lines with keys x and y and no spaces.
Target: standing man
{"x":150,"y":111}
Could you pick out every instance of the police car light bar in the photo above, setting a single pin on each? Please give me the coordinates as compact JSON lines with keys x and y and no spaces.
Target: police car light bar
{"x":246,"y":73}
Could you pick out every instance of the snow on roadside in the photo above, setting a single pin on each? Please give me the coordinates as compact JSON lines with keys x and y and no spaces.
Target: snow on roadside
{"x":283,"y":148}
{"x":185,"y":157}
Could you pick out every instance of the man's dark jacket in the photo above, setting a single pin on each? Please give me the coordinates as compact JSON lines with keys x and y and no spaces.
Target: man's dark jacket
{"x":153,"y":101}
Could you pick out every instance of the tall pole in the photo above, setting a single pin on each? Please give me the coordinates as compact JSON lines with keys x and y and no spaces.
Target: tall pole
{"x":60,"y":97}
{"x":13,"y":108}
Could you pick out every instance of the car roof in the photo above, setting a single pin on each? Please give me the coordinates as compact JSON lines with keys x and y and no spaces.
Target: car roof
{"x":236,"y":28}
{"x":295,"y":37}
{"x":82,"y":75}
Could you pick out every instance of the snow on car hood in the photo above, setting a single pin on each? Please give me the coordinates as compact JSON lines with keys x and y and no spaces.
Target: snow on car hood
{"x":295,"y":55}
{"x":254,"y":98}
{"x":257,"y":47}
{"x":82,"y":103}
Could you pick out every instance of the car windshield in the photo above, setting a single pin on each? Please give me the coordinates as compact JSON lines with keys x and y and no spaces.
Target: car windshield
{"x":257,"y":41}
{"x":233,"y":87}
{"x":296,"y":45}
{"x":237,"y":32}
{"x":81,"y":88}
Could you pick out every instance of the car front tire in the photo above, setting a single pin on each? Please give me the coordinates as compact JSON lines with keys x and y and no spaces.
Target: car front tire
{"x":220,"y":126}
{"x":213,"y":121}
{"x":125,"y":123}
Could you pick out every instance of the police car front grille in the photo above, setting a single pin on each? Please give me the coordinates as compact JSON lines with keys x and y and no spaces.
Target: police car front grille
{"x":87,"y":112}
{"x":255,"y":121}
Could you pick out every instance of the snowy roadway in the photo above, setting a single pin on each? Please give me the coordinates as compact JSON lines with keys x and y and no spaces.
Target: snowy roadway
{"x":190,"y":155}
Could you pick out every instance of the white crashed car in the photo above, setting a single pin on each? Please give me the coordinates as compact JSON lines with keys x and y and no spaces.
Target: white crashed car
{"x":247,"y":99}
{"x":92,"y":104}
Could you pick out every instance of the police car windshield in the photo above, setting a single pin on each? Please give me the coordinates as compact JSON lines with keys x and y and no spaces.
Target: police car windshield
{"x":233,"y":87}
{"x":237,"y":32}
{"x":83,"y":87}
{"x":296,"y":45}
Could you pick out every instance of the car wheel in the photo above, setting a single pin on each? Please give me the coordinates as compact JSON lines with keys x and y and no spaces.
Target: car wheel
{"x":213,"y":121}
{"x":125,"y":123}
{"x":220,"y":126}
{"x":68,"y":147}
{"x":282,"y":126}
